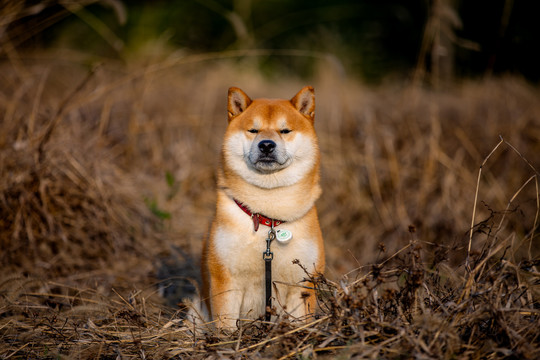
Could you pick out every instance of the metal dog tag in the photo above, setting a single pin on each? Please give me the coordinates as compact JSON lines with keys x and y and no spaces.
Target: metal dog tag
{"x":283,"y":235}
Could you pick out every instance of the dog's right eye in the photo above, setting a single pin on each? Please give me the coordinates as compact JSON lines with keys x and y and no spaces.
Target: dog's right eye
{"x":253,"y":131}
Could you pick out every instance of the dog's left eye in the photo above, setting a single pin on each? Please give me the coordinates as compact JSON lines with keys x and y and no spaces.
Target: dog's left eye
{"x":285,"y":131}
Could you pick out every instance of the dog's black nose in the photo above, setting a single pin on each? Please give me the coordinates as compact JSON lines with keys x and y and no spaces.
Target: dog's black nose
{"x":267,"y":146}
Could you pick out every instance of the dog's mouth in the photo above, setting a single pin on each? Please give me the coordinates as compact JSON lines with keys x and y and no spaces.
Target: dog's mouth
{"x":268,"y":164}
{"x":267,"y":160}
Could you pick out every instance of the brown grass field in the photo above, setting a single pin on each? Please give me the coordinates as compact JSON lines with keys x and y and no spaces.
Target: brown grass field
{"x":107,"y":177}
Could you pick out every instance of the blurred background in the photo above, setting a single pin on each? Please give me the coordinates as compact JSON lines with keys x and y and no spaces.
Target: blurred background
{"x":371,"y":39}
{"x":113,"y":113}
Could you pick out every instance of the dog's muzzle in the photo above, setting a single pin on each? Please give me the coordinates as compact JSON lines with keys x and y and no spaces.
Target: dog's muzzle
{"x":266,"y":157}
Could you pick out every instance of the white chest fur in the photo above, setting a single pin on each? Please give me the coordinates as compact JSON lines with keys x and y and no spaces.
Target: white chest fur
{"x":242,"y":252}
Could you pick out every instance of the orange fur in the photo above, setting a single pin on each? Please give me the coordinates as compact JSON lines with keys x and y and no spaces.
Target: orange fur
{"x":281,"y":183}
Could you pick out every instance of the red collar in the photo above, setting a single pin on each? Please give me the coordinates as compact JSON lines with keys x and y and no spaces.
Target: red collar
{"x":258,"y":218}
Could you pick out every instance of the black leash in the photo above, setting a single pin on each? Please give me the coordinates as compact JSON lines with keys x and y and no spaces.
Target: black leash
{"x":268,"y":256}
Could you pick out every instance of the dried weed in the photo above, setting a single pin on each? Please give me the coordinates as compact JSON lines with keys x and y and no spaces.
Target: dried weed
{"x":106,"y":191}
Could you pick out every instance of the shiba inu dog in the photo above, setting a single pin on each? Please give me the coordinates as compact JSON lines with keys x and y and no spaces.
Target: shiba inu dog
{"x":268,"y":179}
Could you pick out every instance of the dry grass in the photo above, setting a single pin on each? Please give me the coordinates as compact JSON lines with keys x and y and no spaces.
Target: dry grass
{"x":107,"y":189}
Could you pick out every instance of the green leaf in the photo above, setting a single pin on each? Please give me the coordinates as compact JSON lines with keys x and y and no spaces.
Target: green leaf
{"x":169,"y":177}
{"x":153,"y":207}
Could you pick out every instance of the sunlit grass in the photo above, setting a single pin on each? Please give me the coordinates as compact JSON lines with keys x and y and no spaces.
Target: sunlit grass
{"x":108,"y":184}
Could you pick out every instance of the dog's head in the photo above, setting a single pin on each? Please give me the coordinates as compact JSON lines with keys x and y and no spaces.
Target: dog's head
{"x":271,"y":142}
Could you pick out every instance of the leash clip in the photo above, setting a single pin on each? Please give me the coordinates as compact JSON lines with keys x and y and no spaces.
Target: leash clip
{"x":268,"y":255}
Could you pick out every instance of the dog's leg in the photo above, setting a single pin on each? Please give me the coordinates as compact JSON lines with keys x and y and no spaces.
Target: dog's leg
{"x":300,"y":302}
{"x":226,"y":302}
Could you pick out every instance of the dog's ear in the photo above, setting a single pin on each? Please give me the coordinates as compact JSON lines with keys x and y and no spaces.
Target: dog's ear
{"x":304,"y":102}
{"x":238,"y":102}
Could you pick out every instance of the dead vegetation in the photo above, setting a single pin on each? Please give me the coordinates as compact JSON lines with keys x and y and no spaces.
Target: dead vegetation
{"x":107,"y":188}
